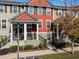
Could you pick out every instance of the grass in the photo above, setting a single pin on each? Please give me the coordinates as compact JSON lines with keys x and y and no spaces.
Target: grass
{"x":61,"y":56}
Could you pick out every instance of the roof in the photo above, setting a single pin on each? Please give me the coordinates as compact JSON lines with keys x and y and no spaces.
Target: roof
{"x":23,"y":18}
{"x":43,"y":3}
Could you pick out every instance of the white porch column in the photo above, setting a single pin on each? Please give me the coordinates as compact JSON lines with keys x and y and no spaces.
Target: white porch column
{"x":37,"y":33}
{"x":11,"y":33}
{"x":25,"y":31}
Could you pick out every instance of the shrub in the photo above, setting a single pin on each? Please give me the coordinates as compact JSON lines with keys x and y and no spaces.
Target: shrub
{"x":42,"y":45}
{"x":28,"y":47}
{"x":13,"y":48}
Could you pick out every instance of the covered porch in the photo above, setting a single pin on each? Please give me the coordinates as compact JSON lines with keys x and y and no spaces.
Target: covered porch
{"x":28,"y":27}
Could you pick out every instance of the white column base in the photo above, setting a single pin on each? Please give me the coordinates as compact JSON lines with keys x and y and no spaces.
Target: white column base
{"x":37,"y":33}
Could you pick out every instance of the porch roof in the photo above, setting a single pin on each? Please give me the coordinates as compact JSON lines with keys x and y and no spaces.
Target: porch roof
{"x":24,"y":18}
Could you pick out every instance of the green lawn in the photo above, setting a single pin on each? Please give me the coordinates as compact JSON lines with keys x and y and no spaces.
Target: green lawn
{"x":61,"y":56}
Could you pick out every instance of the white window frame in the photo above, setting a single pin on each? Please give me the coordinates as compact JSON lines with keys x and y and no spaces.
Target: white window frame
{"x":13,"y":9}
{"x":2,"y":23}
{"x":3,"y":9}
{"x":39,"y":10}
{"x":41,"y":24}
{"x":31,"y":10}
{"x":48,"y":9}
{"x":46,"y":24}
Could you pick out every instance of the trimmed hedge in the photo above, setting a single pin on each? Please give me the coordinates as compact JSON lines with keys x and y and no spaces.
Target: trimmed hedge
{"x":28,"y":47}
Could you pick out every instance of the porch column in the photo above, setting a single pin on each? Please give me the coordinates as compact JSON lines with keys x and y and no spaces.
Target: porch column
{"x":37,"y":33}
{"x":25,"y":31}
{"x":11,"y":33}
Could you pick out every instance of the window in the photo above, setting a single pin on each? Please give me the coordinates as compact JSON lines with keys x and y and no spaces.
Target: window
{"x":31,"y":10}
{"x":40,"y":24}
{"x":48,"y":24}
{"x":59,"y":12}
{"x":2,"y":24}
{"x":14,"y":9}
{"x":40,"y":10}
{"x":1,"y":8}
{"x":48,"y":11}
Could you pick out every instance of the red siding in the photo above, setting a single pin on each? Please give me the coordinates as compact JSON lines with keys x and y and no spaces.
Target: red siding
{"x":44,"y":18}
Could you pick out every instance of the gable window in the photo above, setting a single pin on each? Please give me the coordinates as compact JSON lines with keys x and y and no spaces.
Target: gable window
{"x":40,"y":10}
{"x":48,"y":11}
{"x":40,"y":24}
{"x":48,"y":24}
{"x":31,"y":10}
{"x":14,"y":9}
{"x":1,"y":8}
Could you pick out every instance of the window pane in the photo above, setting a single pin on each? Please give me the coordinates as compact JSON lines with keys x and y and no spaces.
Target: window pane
{"x":31,"y":10}
{"x":48,"y":24}
{"x":0,"y":23}
{"x":3,"y":23}
{"x":48,"y":11}
{"x":1,"y":8}
{"x":40,"y":10}
{"x":15,"y":9}
{"x":40,"y":24}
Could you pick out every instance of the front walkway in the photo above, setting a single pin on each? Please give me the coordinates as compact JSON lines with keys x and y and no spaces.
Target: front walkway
{"x":36,"y":53}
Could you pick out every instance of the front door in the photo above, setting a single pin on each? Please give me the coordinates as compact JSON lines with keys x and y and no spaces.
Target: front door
{"x":21,"y":32}
{"x":29,"y":31}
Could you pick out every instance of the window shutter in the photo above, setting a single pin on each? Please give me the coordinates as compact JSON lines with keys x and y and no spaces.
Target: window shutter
{"x":10,"y":9}
{"x":5,"y":9}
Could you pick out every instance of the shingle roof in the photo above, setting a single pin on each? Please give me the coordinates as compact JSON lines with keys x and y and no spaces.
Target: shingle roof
{"x":23,"y":17}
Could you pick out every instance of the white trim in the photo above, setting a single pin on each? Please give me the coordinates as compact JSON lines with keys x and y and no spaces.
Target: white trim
{"x":17,"y":9}
{"x":39,"y":10}
{"x":47,"y":10}
{"x":11,"y":33}
{"x":31,"y":10}
{"x":46,"y":23}
{"x":25,"y":31}
{"x":41,"y":24}
{"x":37,"y":32}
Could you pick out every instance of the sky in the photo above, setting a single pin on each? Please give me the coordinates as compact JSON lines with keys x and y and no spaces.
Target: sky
{"x":54,"y":2}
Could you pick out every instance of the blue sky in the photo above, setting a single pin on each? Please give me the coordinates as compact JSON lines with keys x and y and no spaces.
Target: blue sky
{"x":55,"y":2}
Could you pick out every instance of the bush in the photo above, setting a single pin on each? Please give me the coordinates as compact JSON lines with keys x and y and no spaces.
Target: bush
{"x":1,"y":39}
{"x":28,"y":47}
{"x":14,"y":48}
{"x":42,"y":45}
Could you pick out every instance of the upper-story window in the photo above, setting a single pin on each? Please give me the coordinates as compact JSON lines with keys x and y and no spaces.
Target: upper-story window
{"x":1,"y":8}
{"x":59,"y":12}
{"x":31,"y":10}
{"x":14,"y":9}
{"x":48,"y":11}
{"x":40,"y":10}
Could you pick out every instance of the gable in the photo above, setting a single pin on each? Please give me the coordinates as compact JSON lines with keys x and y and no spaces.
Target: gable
{"x":43,"y":3}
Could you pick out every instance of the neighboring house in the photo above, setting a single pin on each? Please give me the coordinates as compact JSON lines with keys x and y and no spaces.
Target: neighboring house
{"x":34,"y":17}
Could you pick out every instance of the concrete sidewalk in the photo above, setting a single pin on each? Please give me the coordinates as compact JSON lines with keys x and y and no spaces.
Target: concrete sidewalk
{"x":36,"y":53}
